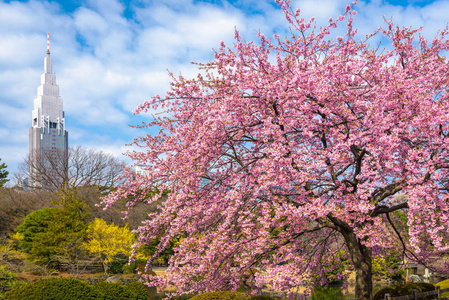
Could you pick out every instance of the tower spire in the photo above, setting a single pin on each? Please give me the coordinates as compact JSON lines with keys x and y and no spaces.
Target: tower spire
{"x":48,"y":42}
{"x":48,"y":139}
{"x":48,"y":60}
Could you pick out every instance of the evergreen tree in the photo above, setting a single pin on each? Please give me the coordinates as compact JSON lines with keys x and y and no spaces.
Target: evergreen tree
{"x":66,"y":232}
{"x":34,"y":224}
{"x":3,"y":174}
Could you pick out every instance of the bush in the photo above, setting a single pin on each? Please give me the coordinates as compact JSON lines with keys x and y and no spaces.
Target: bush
{"x":404,"y":289}
{"x":326,"y":293}
{"x":129,"y":269}
{"x":229,"y":295}
{"x":119,"y":261}
{"x":8,"y":280}
{"x":57,"y":288}
{"x":388,"y":267}
{"x":139,"y":290}
{"x":116,"y":291}
{"x":137,"y":265}
{"x":34,"y":224}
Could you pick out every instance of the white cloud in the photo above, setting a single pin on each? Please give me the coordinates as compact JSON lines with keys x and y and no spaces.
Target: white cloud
{"x":16,"y":16}
{"x":18,"y":86}
{"x":90,"y":24}
{"x":321,"y":10}
{"x":180,"y":36}
{"x":109,"y":8}
{"x":18,"y":50}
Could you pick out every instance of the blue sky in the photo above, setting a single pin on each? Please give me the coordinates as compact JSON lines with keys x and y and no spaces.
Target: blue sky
{"x":111,"y":55}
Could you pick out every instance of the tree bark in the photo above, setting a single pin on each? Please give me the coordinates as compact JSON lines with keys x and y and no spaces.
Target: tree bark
{"x":361,"y":258}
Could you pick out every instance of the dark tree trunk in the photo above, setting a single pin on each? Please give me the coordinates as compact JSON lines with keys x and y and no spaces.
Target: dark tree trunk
{"x":361,"y":259}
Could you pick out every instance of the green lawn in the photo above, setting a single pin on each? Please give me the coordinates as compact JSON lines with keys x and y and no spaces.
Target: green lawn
{"x":444,"y":285}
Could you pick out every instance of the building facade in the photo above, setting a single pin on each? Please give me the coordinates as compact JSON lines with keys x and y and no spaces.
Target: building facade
{"x":48,"y":139}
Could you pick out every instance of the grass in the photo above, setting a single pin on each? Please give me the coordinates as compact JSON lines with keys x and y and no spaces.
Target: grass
{"x":444,"y":285}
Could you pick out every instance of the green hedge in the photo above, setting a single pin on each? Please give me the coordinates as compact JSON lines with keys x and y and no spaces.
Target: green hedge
{"x":59,"y":288}
{"x":404,"y":289}
{"x":229,"y":295}
{"x":116,"y":291}
{"x":328,"y":293}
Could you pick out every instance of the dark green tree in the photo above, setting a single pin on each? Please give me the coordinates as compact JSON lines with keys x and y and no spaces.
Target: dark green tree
{"x":3,"y":174}
{"x":66,"y":232}
{"x":34,"y":224}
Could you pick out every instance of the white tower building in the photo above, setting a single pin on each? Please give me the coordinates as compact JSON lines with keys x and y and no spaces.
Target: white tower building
{"x":48,"y":139}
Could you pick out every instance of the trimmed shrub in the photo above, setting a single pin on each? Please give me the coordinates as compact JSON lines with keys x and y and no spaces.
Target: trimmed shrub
{"x":57,"y":288}
{"x":229,"y":295}
{"x":404,"y":289}
{"x":326,"y":293}
{"x":139,"y":290}
{"x":116,"y":291}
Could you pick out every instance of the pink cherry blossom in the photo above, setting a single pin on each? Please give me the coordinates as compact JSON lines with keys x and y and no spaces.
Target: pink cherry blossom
{"x":283,"y":152}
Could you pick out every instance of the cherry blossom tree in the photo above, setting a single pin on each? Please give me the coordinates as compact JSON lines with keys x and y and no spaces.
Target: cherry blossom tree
{"x":286,"y":156}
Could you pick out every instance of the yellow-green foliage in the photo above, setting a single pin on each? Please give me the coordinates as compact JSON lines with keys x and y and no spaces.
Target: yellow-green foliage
{"x":8,"y":279}
{"x":388,"y":266}
{"x":106,"y":241}
{"x":8,"y":251}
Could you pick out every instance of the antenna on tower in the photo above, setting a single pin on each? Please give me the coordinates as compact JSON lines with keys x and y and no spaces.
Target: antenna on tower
{"x":48,"y":42}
